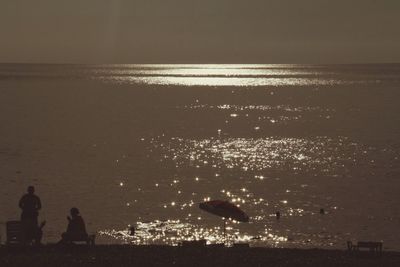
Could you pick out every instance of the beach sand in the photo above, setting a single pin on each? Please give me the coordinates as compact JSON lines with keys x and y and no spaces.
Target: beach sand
{"x":125,"y":255}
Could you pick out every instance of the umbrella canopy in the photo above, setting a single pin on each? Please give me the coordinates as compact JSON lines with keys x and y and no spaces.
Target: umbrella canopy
{"x":224,"y":209}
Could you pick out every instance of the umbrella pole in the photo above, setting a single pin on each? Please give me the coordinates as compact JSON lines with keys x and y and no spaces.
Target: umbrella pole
{"x":224,"y":230}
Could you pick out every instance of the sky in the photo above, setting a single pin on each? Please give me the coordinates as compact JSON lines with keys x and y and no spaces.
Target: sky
{"x":200,"y":31}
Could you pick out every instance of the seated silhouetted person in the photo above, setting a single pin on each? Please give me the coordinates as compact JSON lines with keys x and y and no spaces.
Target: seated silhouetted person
{"x":76,"y":229}
{"x":30,"y":205}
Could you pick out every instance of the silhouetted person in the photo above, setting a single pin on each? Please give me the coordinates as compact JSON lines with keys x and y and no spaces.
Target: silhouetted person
{"x":30,"y":205}
{"x":76,"y":229}
{"x":278,"y":215}
{"x":322,"y":211}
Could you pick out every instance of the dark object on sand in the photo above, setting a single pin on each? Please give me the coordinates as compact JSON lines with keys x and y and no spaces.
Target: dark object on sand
{"x":278,"y":215}
{"x":76,"y":230}
{"x":241,"y":245}
{"x":194,"y":244}
{"x":373,"y":247}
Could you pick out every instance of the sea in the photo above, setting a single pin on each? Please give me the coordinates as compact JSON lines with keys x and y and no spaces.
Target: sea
{"x":141,"y":145}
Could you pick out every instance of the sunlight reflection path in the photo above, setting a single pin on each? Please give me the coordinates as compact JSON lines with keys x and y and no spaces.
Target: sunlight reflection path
{"x":264,"y":153}
{"x":173,"y":232}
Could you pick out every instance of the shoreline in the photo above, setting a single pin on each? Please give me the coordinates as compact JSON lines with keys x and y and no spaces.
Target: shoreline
{"x":162,"y":255}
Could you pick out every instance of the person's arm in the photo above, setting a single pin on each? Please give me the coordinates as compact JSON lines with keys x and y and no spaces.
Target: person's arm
{"x":70,"y":226}
{"x":39,"y":204}
{"x":83,"y":227}
{"x":21,"y":202}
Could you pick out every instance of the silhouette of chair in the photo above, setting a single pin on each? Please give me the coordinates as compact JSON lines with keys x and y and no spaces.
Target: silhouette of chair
{"x":194,"y":244}
{"x":372,"y":247}
{"x":241,"y":245}
{"x":14,"y":233}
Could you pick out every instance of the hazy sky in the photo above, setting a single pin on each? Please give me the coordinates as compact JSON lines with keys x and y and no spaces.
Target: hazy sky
{"x":200,"y":31}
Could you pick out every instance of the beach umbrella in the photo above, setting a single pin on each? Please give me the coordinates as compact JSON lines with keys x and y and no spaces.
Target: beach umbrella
{"x":224,"y":209}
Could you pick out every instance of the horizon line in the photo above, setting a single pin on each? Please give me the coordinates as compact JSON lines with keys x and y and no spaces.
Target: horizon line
{"x":186,"y":63}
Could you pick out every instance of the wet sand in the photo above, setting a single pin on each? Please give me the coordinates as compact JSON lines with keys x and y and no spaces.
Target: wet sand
{"x":121,"y":255}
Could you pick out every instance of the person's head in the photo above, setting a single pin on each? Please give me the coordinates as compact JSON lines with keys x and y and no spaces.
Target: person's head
{"x":31,"y":190}
{"x":74,"y":212}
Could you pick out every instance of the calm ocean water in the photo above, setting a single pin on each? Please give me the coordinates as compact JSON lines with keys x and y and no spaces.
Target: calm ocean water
{"x":142,"y":145}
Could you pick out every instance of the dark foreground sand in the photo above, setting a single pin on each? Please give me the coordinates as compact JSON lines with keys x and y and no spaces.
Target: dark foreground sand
{"x":118,"y":255}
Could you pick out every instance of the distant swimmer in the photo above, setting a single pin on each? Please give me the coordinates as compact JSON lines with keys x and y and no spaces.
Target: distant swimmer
{"x":278,"y":215}
{"x":132,"y":231}
{"x":322,"y":211}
